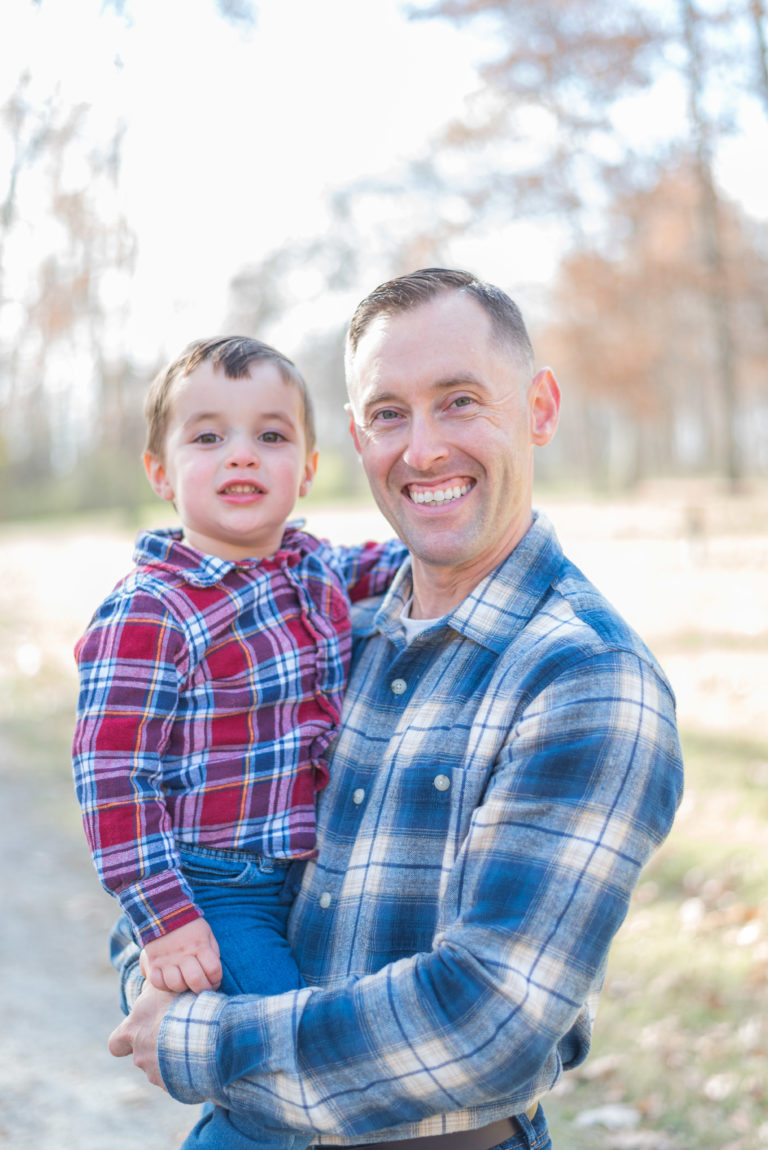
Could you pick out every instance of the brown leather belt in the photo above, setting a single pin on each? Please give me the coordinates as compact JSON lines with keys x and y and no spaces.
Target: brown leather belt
{"x":484,"y":1138}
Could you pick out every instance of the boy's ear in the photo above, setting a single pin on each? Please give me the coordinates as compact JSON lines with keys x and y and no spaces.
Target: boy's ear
{"x":310,"y":467}
{"x":157,"y":476}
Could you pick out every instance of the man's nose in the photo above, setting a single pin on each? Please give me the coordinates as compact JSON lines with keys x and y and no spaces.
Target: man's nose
{"x":426,"y":445}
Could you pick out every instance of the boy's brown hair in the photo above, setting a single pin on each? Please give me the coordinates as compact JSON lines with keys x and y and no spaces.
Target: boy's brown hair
{"x":234,"y":354}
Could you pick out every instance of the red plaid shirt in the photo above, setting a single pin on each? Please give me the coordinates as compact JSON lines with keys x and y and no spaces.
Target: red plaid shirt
{"x":209,"y":692}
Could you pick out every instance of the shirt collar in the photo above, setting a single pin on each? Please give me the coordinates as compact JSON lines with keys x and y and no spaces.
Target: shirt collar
{"x":164,"y":548}
{"x":498,"y":606}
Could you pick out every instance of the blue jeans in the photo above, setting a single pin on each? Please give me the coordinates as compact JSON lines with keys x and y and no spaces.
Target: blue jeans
{"x":242,"y":898}
{"x":534,"y":1134}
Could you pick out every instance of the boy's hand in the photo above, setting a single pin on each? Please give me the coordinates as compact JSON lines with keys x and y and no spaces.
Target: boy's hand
{"x":185,"y":959}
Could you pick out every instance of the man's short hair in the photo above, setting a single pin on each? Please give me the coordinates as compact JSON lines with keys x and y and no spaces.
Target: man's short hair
{"x":234,"y":354}
{"x":419,"y":287}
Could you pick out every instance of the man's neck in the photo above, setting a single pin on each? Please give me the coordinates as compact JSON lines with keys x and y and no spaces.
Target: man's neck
{"x":437,"y":591}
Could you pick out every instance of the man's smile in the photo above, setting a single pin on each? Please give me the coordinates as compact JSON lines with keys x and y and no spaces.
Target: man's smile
{"x":447,"y":494}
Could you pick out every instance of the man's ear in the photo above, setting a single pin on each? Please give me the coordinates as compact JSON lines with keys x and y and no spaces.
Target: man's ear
{"x":158,"y":477}
{"x":353,"y":427}
{"x":310,"y":468}
{"x":544,"y":402}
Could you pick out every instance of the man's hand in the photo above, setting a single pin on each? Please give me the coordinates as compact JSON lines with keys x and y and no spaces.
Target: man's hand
{"x":185,"y":959}
{"x":139,"y":1032}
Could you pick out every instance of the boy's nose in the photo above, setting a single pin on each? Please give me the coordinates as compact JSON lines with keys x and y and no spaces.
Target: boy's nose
{"x":242,"y":454}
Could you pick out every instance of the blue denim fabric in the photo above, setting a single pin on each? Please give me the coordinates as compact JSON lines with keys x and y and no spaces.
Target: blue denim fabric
{"x":219,"y":1129}
{"x":241,"y":896}
{"x":534,"y":1134}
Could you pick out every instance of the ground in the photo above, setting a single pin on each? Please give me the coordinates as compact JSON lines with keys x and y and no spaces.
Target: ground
{"x":689,"y":569}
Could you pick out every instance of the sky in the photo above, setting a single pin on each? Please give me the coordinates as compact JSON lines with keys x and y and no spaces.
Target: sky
{"x":233,"y":141}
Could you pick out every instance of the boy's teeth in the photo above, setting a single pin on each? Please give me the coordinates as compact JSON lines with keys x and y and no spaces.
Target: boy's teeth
{"x":441,"y":495}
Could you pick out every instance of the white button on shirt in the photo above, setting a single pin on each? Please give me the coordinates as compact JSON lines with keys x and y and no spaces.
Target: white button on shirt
{"x":398,"y":686}
{"x":442,"y":782}
{"x":325,"y":899}
{"x":358,"y":796}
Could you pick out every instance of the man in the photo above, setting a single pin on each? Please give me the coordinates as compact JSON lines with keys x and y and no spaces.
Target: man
{"x":508,"y":762}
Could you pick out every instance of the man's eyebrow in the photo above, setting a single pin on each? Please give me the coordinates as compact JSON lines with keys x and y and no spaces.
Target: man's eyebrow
{"x":459,"y":379}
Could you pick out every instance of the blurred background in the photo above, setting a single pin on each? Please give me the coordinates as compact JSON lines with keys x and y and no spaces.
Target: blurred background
{"x":171,"y":169}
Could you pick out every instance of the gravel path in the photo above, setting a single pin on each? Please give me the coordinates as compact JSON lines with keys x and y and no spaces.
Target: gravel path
{"x":61,"y":1089}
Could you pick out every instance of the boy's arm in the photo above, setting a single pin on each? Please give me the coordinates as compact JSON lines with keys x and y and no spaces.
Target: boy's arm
{"x":366,"y":569}
{"x":128,"y":665}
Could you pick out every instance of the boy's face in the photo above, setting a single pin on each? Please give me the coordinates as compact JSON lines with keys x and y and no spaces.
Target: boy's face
{"x":235,"y":459}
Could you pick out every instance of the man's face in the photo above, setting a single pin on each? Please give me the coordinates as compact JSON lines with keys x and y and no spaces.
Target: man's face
{"x":445,"y":418}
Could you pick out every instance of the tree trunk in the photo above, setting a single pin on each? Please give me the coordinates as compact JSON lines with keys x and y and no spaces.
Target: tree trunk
{"x":714,"y":259}
{"x":758,"y":13}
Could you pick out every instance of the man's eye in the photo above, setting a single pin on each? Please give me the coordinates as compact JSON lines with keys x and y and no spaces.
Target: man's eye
{"x":386,"y":415}
{"x":462,"y":401}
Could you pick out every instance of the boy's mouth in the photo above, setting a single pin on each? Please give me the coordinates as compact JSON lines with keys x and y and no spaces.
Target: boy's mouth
{"x":240,"y":488}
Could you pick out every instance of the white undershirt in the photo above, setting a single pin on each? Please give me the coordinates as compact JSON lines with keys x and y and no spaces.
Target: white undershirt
{"x":414,"y":627}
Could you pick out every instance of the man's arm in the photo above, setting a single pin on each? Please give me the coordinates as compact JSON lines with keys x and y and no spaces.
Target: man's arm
{"x":584,"y":789}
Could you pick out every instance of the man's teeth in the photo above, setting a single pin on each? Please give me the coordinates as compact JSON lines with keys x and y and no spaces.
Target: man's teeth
{"x":443,"y":495}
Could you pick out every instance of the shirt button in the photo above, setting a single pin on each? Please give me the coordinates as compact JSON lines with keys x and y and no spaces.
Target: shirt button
{"x":398,"y":686}
{"x":325,"y":899}
{"x":358,"y":796}
{"x":442,"y":782}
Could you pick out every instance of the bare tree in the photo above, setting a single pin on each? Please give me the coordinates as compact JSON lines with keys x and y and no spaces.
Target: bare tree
{"x":711,"y":238}
{"x":62,"y":363}
{"x":759,"y":17}
{"x":630,"y":336}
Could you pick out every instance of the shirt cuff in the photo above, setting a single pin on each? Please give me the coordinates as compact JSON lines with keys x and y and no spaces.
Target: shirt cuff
{"x":188,"y":1046}
{"x":158,"y":904}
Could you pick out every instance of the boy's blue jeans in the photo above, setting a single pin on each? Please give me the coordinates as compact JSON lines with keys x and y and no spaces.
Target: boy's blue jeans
{"x":243,"y":899}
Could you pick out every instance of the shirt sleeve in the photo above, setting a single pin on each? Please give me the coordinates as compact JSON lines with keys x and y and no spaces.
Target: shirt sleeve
{"x":584,"y":789}
{"x":128,"y":662}
{"x":367,"y":569}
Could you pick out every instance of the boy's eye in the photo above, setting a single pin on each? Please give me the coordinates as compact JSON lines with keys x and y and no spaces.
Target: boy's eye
{"x":207,"y":437}
{"x":271,"y":437}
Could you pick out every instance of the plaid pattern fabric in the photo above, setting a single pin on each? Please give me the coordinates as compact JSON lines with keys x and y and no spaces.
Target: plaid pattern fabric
{"x":495,"y":790}
{"x":209,"y":692}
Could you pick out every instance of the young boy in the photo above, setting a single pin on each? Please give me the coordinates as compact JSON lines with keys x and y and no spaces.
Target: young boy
{"x":211,"y":678}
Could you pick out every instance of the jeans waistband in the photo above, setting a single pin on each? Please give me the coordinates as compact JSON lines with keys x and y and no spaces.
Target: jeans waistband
{"x":483,"y":1138}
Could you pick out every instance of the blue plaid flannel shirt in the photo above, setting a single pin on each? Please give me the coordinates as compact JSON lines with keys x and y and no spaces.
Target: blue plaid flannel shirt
{"x":495,"y":791}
